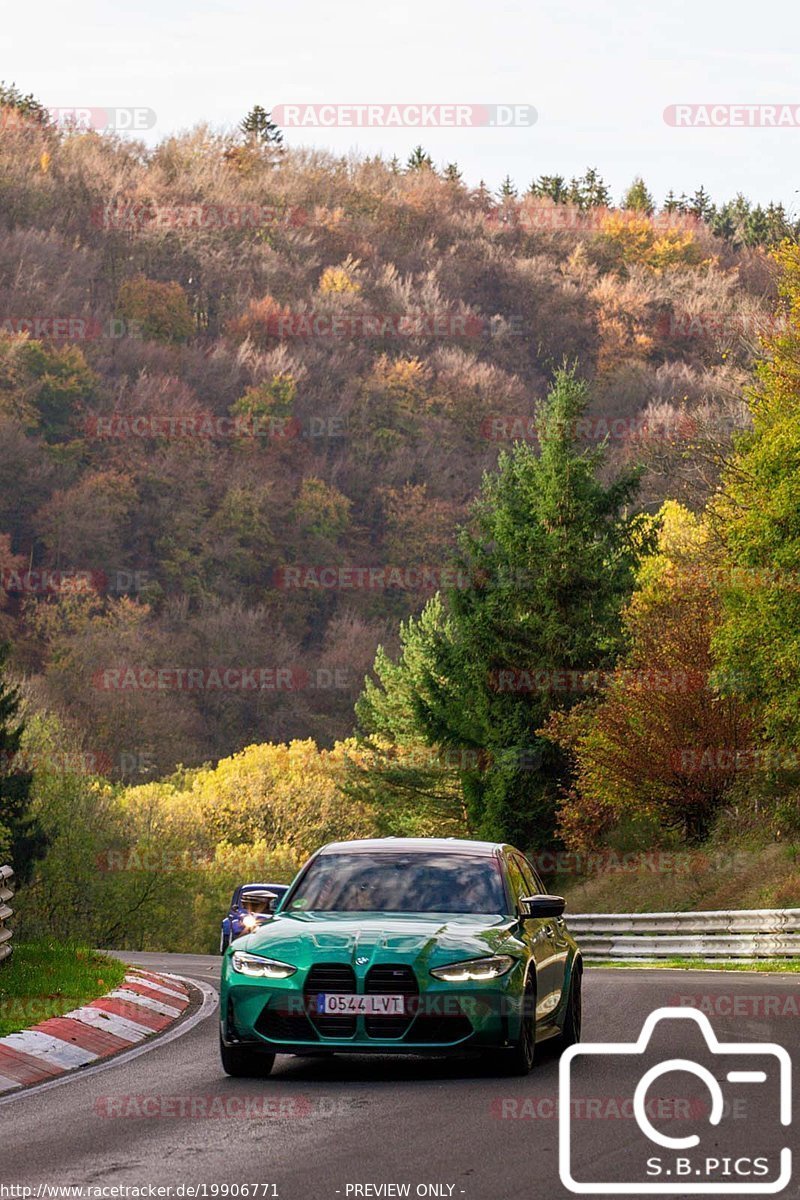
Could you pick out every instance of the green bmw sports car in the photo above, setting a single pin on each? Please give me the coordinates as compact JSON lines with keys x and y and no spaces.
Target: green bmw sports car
{"x":404,"y":945}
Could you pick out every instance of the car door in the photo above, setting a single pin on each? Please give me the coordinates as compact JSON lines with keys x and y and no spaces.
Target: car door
{"x":539,"y":937}
{"x":560,"y":942}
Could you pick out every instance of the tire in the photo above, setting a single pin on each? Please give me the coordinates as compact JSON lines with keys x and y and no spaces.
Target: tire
{"x":243,"y":1063}
{"x":571,"y":1033}
{"x":519,"y":1059}
{"x":224,"y":942}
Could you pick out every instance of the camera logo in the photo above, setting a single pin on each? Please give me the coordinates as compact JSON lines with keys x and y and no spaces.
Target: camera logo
{"x":758,"y":1076}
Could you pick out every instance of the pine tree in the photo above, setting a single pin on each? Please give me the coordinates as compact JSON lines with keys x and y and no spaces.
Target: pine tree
{"x":258,"y":127}
{"x":777,"y":224}
{"x":594,"y":191}
{"x":553,"y":187}
{"x":700,"y":204}
{"x":452,"y":174}
{"x":637,"y":198}
{"x":21,"y":838}
{"x":419,"y":160}
{"x":27,"y":106}
{"x":724,"y":223}
{"x":482,"y":197}
{"x":507,"y":190}
{"x":546,"y":563}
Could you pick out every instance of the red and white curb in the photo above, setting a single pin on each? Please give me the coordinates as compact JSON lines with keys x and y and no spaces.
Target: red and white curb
{"x":145,"y":1004}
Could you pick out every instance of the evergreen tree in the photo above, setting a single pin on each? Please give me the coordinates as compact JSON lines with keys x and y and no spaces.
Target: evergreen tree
{"x":482,"y":197}
{"x":700,"y":204}
{"x":671,"y":202}
{"x":27,"y":106}
{"x":553,"y":187}
{"x":21,"y":837}
{"x":731,"y":220}
{"x":637,"y":198}
{"x":589,"y":191}
{"x":507,"y":190}
{"x":452,"y":174}
{"x":419,"y":160}
{"x":757,"y":227}
{"x":777,"y":224}
{"x":545,"y":564}
{"x":258,"y":127}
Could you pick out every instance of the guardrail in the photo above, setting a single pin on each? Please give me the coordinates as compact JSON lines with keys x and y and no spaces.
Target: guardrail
{"x":748,"y":933}
{"x":6,"y":894}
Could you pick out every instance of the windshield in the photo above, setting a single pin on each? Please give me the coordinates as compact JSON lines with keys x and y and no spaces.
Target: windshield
{"x":400,"y":883}
{"x":256,"y":903}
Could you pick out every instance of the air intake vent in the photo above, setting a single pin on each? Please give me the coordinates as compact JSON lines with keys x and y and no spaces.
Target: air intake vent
{"x":389,"y":979}
{"x":330,"y":977}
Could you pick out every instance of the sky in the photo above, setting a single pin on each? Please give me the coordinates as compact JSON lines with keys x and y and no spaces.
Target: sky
{"x":599,"y":74}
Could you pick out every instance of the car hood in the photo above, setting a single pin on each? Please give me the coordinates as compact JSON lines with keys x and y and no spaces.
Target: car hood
{"x":364,"y":939}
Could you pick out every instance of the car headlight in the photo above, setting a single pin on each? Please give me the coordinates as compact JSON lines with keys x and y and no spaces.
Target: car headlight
{"x":249,"y":921}
{"x":263,"y":968}
{"x":475,"y":969}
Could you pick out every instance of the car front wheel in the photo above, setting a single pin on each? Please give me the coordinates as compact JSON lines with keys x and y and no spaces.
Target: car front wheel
{"x":519,"y":1059}
{"x":243,"y":1063}
{"x":224,"y":942}
{"x":571,"y":1032}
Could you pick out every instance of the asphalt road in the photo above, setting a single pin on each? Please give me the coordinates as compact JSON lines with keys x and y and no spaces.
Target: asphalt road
{"x":326,"y":1128}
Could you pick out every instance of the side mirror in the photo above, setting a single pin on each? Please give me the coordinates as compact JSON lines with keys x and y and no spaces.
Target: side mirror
{"x":533,"y":908}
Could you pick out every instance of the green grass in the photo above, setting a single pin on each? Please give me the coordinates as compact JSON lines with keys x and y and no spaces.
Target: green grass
{"x":46,"y":979}
{"x":773,"y":966}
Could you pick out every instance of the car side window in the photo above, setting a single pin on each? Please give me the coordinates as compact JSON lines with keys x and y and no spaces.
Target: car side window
{"x":532,"y":880}
{"x":519,"y":887}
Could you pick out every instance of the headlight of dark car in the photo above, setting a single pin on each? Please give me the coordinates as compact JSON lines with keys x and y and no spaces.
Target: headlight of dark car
{"x":262,"y":968}
{"x":475,"y":969}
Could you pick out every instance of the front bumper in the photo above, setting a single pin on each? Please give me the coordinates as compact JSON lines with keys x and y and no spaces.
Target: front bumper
{"x":281,"y":1017}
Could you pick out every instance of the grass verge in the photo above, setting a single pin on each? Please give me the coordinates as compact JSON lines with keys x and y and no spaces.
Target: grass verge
{"x":722,"y":876}
{"x":773,"y":966}
{"x":46,"y":979}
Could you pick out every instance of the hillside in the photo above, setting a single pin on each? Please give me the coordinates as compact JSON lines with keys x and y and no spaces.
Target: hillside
{"x":231,"y":380}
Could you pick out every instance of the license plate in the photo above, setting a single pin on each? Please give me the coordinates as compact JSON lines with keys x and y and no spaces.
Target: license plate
{"x":369,"y":1006}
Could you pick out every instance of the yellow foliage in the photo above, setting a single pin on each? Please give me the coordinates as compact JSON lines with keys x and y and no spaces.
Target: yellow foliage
{"x":675,"y":247}
{"x":339,"y":279}
{"x":402,"y":377}
{"x":282,"y":795}
{"x":634,"y":238}
{"x":631,"y":234}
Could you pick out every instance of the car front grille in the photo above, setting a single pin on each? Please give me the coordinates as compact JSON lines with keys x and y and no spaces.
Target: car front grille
{"x":330,"y":977}
{"x":391,"y":980}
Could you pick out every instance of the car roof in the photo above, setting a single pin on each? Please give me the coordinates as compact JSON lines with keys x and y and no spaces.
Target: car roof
{"x":260,"y":887}
{"x":411,"y":845}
